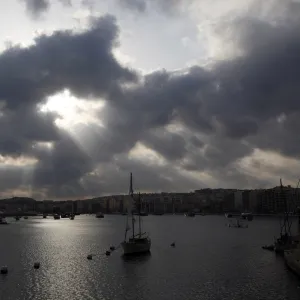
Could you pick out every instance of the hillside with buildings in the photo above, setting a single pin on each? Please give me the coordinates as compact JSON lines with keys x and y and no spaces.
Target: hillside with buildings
{"x":203,"y":200}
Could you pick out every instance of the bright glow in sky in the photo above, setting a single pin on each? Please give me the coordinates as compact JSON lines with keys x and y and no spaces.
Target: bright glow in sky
{"x":71,"y":110}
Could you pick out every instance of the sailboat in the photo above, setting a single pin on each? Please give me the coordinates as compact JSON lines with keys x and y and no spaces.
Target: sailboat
{"x":285,"y":241}
{"x":140,"y":242}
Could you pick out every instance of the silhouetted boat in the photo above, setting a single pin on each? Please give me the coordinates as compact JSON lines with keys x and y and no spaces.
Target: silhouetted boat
{"x":3,"y":221}
{"x":99,"y":215}
{"x":140,"y":242}
{"x":190,"y":214}
{"x":247,"y":216}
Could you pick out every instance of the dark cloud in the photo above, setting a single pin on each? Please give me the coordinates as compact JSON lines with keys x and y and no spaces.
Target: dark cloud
{"x":170,"y":145}
{"x":165,"y":6}
{"x":219,"y":115}
{"x":37,"y":7}
{"x":80,"y":62}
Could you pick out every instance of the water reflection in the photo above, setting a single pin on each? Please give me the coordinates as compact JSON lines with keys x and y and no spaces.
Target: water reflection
{"x":210,"y":261}
{"x":137,"y":258}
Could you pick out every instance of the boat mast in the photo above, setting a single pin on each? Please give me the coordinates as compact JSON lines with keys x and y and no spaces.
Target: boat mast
{"x":286,"y":222}
{"x":139,"y":208}
{"x":131,"y":194}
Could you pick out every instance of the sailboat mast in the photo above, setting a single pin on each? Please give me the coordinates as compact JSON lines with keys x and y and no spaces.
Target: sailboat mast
{"x":140,"y":231}
{"x":131,"y":194}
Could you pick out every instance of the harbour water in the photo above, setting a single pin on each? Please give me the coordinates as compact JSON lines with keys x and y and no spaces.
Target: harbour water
{"x":210,"y":260}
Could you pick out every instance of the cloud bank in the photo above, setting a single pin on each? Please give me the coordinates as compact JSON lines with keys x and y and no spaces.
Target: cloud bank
{"x":176,"y":130}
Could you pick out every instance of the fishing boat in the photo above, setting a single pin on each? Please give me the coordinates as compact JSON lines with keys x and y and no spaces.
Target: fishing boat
{"x":140,"y":242}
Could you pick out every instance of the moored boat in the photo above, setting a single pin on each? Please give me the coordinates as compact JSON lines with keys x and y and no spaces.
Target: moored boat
{"x":99,"y":215}
{"x":56,"y":216}
{"x":138,"y":243}
{"x":247,"y":216}
{"x":3,"y":221}
{"x":190,"y":214}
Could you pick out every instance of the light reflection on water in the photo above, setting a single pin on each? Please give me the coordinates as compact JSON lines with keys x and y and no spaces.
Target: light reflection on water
{"x":210,"y":261}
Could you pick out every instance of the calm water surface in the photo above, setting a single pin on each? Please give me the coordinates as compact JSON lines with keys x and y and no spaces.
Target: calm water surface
{"x":210,"y":261}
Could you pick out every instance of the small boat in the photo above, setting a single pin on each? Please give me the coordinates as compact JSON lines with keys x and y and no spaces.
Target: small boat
{"x":285,"y":242}
{"x":3,"y":221}
{"x":64,"y":215}
{"x":138,"y":243}
{"x":228,"y":215}
{"x":17,"y":218}
{"x":247,"y":216}
{"x":56,"y":216}
{"x":238,"y":224}
{"x":268,"y":247}
{"x":190,"y":214}
{"x":143,"y":214}
{"x":158,"y":214}
{"x":99,"y":215}
{"x":44,"y":216}
{"x":25,"y":217}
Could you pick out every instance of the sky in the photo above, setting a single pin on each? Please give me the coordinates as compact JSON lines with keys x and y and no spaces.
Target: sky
{"x":185,"y":94}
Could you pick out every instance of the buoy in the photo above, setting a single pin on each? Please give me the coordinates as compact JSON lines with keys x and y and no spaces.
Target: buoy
{"x":90,"y":256}
{"x":112,"y":248}
{"x":36,"y":265}
{"x":173,"y":244}
{"x":107,"y":253}
{"x":4,"y":270}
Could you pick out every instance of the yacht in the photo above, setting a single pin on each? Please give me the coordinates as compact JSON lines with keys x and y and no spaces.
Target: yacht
{"x":139,"y":242}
